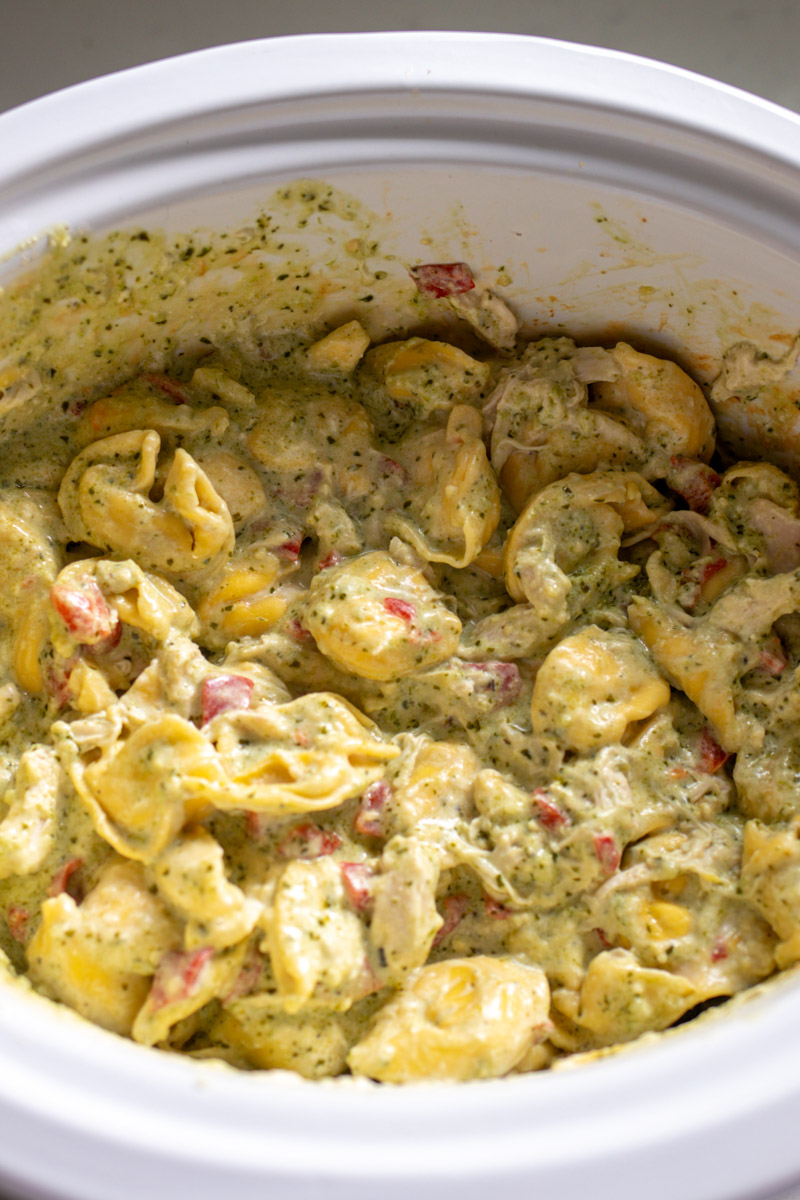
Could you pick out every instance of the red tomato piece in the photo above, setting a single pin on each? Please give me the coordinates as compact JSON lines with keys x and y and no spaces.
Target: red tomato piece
{"x":453,"y":909}
{"x":84,"y":611}
{"x":711,"y":569}
{"x":257,"y":824}
{"x":607,"y":851}
{"x":495,"y":909}
{"x":442,"y":279}
{"x":67,"y":879}
{"x":357,"y":879}
{"x":290,"y":550}
{"x":248,"y":978}
{"x":710,"y":755}
{"x":57,"y":681}
{"x":694,"y":482}
{"x":502,"y":678}
{"x":330,"y":560}
{"x":179,"y":976}
{"x":17,"y":919}
{"x":369,"y":820}
{"x":307,"y":840}
{"x":548,"y":812}
{"x":719,"y":950}
{"x":773,"y":658}
{"x":400,"y":608}
{"x":173,"y":388}
{"x":298,"y":631}
{"x":390,"y":468}
{"x":221,"y":693}
{"x":77,"y":406}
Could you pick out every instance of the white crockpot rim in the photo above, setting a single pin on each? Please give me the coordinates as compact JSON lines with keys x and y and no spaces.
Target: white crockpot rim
{"x":720,"y":1095}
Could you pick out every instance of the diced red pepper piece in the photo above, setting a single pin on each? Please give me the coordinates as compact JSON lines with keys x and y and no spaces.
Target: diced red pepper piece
{"x":77,"y":406}
{"x":17,"y":919}
{"x":330,"y":560}
{"x":249,"y":975}
{"x":548,"y":812}
{"x":298,"y":631}
{"x":57,"y":680}
{"x":694,"y":482}
{"x":773,"y":658}
{"x":391,"y":468}
{"x":607,"y":851}
{"x":370,"y":818}
{"x":699,"y":575}
{"x":67,"y":879}
{"x":442,"y":279}
{"x":290,"y":550}
{"x":719,"y":950}
{"x":710,"y":755}
{"x":711,"y":569}
{"x":307,"y":840}
{"x":84,"y":611}
{"x":357,"y":878}
{"x":178,"y":976}
{"x":400,"y":608}
{"x":257,"y":824}
{"x":221,"y":693}
{"x":173,"y":388}
{"x":453,"y":909}
{"x":494,"y":908}
{"x":502,"y":678}
{"x":601,"y":934}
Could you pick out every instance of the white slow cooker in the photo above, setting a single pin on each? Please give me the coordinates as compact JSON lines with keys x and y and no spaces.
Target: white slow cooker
{"x":618,"y":195}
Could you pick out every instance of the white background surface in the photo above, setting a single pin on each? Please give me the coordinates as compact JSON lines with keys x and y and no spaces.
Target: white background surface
{"x":49,"y":44}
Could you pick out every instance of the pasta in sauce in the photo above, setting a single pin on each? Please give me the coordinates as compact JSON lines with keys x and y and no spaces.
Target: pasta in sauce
{"x":396,"y":707}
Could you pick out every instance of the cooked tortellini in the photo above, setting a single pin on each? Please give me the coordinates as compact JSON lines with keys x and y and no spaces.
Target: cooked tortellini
{"x":383,"y":692}
{"x":455,"y":499}
{"x":593,"y":685}
{"x":379,"y":619}
{"x":459,"y":1019}
{"x":563,"y":550}
{"x":99,"y":956}
{"x":105,"y":499}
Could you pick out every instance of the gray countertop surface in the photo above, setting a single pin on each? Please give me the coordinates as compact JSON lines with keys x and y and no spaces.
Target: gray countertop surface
{"x":50,"y":44}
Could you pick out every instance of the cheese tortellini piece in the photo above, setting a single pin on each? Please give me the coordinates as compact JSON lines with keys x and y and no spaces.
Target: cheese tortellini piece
{"x":563,"y":548}
{"x":340,"y":350}
{"x":190,"y":877}
{"x":454,"y":498}
{"x":143,"y":789}
{"x":142,"y":404}
{"x":379,"y":619}
{"x":642,"y":414}
{"x":305,"y":756}
{"x":471,"y":1018}
{"x":105,"y":498}
{"x":619,"y":998}
{"x":662,"y":403}
{"x":316,"y":940}
{"x":409,"y":381}
{"x":259,"y":1033}
{"x":593,"y":685}
{"x":27,"y":831}
{"x":99,"y":957}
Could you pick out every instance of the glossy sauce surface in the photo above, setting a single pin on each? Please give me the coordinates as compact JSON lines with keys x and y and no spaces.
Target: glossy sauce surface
{"x":418,"y":706}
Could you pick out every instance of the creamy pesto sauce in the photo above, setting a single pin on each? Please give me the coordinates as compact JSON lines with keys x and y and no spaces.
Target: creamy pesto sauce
{"x":378,"y":692}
